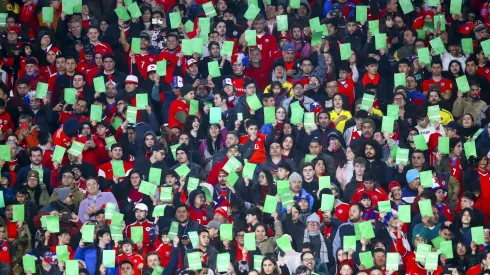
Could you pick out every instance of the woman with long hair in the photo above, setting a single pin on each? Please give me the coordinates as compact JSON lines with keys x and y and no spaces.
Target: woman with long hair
{"x":469,"y":127}
{"x":288,"y":149}
{"x":215,"y":141}
{"x":465,"y":224}
{"x":192,"y":126}
{"x":275,"y":128}
{"x":345,"y":170}
{"x":338,"y":115}
{"x":264,"y":187}
{"x":268,"y":244}
{"x":320,"y":167}
{"x":314,"y":90}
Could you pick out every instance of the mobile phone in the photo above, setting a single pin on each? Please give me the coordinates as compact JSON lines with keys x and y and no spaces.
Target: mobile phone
{"x":24,"y":126}
{"x":89,"y":137}
{"x":203,"y":81}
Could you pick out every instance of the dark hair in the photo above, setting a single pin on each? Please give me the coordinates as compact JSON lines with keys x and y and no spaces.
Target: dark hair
{"x":188,"y":123}
{"x":222,"y":95}
{"x":33,"y":149}
{"x":286,"y":166}
{"x":250,"y":123}
{"x":274,"y":262}
{"x":126,"y":262}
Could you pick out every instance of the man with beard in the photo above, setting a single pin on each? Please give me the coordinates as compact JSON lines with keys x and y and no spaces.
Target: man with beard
{"x":109,"y":71}
{"x":288,"y":61}
{"x":472,"y":75}
{"x":367,"y":133}
{"x":323,"y":130}
{"x":373,"y":155}
{"x":182,"y":154}
{"x":215,"y":55}
{"x":434,"y":97}
{"x":406,"y":51}
{"x":110,"y":98}
{"x":265,"y":42}
{"x":150,"y":230}
{"x":17,"y":234}
{"x":35,"y":157}
{"x":356,"y":212}
{"x":78,"y":112}
{"x":143,"y":59}
{"x":445,"y":85}
{"x":300,"y":45}
{"x":307,"y":69}
{"x":179,"y":109}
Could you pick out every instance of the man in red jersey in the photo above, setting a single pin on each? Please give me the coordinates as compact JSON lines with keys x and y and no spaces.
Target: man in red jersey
{"x":106,"y":171}
{"x":171,"y":55}
{"x":179,"y":109}
{"x":144,"y":58}
{"x":128,"y":255}
{"x":376,"y":193}
{"x":101,"y":47}
{"x":265,"y":42}
{"x":444,"y":83}
{"x":149,"y":230}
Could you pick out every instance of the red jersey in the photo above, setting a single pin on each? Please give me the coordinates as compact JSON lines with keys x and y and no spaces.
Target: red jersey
{"x":142,"y":61}
{"x":61,"y":139}
{"x":6,"y":122}
{"x":457,"y":172}
{"x":27,"y":15}
{"x":4,"y":252}
{"x":171,"y":57}
{"x":238,"y":82}
{"x":164,"y":251}
{"x":106,"y":171}
{"x":135,"y":259}
{"x":71,"y":252}
{"x":445,"y":84}
{"x":198,"y":215}
{"x":101,"y":47}
{"x":147,"y":244}
{"x":259,"y":155}
{"x":484,"y":71}
{"x":178,"y":105}
{"x":347,"y":88}
{"x":267,"y":45}
{"x":474,"y":270}
{"x":377,"y":195}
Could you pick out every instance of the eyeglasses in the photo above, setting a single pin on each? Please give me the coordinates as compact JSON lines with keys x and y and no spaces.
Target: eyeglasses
{"x":67,"y":177}
{"x":308,"y":259}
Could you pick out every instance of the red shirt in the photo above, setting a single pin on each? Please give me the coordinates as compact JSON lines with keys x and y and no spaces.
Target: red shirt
{"x":377,"y":195}
{"x":135,"y":259}
{"x":347,"y":88}
{"x":484,"y":71}
{"x":175,"y":107}
{"x":6,"y":122}
{"x":258,"y":156}
{"x":101,"y":47}
{"x":198,"y":215}
{"x":172,"y":59}
{"x":106,"y":171}
{"x":147,"y":244}
{"x":445,"y":84}
{"x":267,"y":45}
{"x":142,"y":61}
{"x":4,"y":252}
{"x":474,"y":270}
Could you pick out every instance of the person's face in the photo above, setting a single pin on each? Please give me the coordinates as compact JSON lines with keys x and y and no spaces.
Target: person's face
{"x":369,"y":151}
{"x":260,"y":233}
{"x":309,"y":261}
{"x":78,"y":82}
{"x":315,"y":148}
{"x":408,"y":38}
{"x":259,"y":25}
{"x":296,"y":34}
{"x":436,"y":69}
{"x":446,"y":234}
{"x":367,"y":130}
{"x":320,"y":168}
{"x":372,"y":69}
{"x":101,"y":130}
{"x":23,"y":89}
{"x":60,"y":64}
{"x":331,"y":88}
{"x":30,"y":69}
{"x":67,"y":179}
{"x":108,"y":64}
{"x":324,"y":120}
{"x":379,"y":259}
{"x":255,"y":56}
{"x":140,"y":215}
{"x":51,"y":57}
{"x":470,"y":67}
{"x":231,"y":140}
{"x":36,"y":157}
{"x":287,"y":129}
{"x":376,"y":272}
{"x":117,"y":153}
{"x":411,"y":83}
{"x":204,"y":239}
{"x":458,"y":149}
{"x":12,"y":36}
{"x":288,"y":56}
{"x":354,"y":214}
{"x":214,"y":131}
{"x":76,"y":28}
{"x":93,"y":35}
{"x":126,"y":269}
{"x":466,"y":218}
{"x":474,"y":91}
{"x":92,"y":186}
{"x":287,"y":144}
{"x":467,"y":121}
{"x":182,"y":214}
{"x":268,"y":267}
{"x":369,"y":184}
{"x":218,"y":102}
{"x":379,"y":138}
{"x":45,"y":40}
{"x":418,"y":160}
{"x":182,"y":157}
{"x":214,"y":51}
{"x":269,"y":102}
{"x":252,"y":130}
{"x":275,"y":150}
{"x":282,"y":173}
{"x":250,"y":89}
{"x":466,"y":203}
{"x":337,"y":101}
{"x":70,"y":65}
{"x":454,"y":50}
{"x":308,"y":172}
{"x":152,"y":261}
{"x":331,"y":29}
{"x":21,"y":198}
{"x":403,"y":68}
{"x":295,"y":185}
{"x":461,"y":249}
{"x":228,"y":16}
{"x":80,"y":107}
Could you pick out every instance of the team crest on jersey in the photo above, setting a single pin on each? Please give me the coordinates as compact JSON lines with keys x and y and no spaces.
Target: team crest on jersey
{"x":443,"y":84}
{"x":259,"y":139}
{"x":5,"y":122}
{"x":340,"y":211}
{"x":4,"y":248}
{"x":267,"y":40}
{"x":30,"y":8}
{"x":148,"y":228}
{"x":487,"y":71}
{"x":167,"y":253}
{"x":204,"y":218}
{"x":151,"y":59}
{"x":235,"y":33}
{"x":346,"y":85}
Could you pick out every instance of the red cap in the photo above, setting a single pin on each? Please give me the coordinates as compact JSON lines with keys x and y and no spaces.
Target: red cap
{"x":418,"y":23}
{"x":221,"y":211}
{"x":14,"y":29}
{"x":393,"y":184}
{"x":466,"y":28}
{"x":55,"y":50}
{"x":297,"y":82}
{"x":284,"y":35}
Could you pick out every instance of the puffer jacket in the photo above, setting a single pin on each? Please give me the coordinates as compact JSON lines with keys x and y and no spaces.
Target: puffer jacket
{"x":267,"y":245}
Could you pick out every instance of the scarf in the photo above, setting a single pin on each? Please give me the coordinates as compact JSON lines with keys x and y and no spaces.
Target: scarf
{"x":323,"y":249}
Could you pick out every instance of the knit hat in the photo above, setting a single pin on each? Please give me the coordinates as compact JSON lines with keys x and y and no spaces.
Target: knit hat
{"x":412,"y":175}
{"x":221,"y":211}
{"x":393,"y":184}
{"x":183,"y":148}
{"x":186,"y":89}
{"x":71,"y":127}
{"x":33,"y":174}
{"x":295,"y":176}
{"x":313,"y":218}
{"x":62,"y":193}
{"x":370,"y":121}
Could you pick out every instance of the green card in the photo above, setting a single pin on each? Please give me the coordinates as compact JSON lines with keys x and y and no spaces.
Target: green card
{"x":440,"y":18}
{"x":192,"y":184}
{"x":374,"y":26}
{"x":405,"y":213}
{"x":95,"y":112}
{"x":470,"y":149}
{"x":109,"y":210}
{"x":384,"y":206}
{"x":122,"y":13}
{"x":2,"y":200}
{"x":392,"y":111}
{"x":426,"y":179}
{"x":349,"y":242}
{"x":434,"y":113}
{"x":117,"y":218}
{"x":53,"y":224}
{"x":204,"y":24}
{"x":194,"y":239}
{"x":425,"y":208}
{"x":147,"y":188}
{"x":162,"y":68}
{"x":77,"y":6}
{"x":157,"y":270}
{"x":406,"y":6}
{"x":239,"y":116}
{"x":41,"y":90}
{"x":5,"y":152}
{"x":380,"y":40}
{"x":134,"y":10}
{"x":400,"y":79}
{"x":361,"y":13}
{"x":294,"y":4}
{"x":183,"y":170}
{"x":317,"y":38}
{"x":282,"y":23}
{"x":227,"y":48}
{"x":232,"y":178}
{"x":443,"y":145}
{"x":166,"y":194}
{"x":76,"y":148}
{"x":174,"y":230}
{"x":189,"y":26}
{"x":136,"y":45}
{"x":131,"y":114}
{"x":345,"y":51}
{"x":431,"y":260}
{"x":477,"y":134}
{"x":194,"y":258}
{"x":424,"y":56}
{"x":249,"y":170}
{"x":223,"y":262}
{"x":70,"y":95}
{"x":109,"y":258}
{"x":433,"y":3}
{"x":367,"y":102}
{"x":214,"y":115}
{"x":366,"y":259}
{"x":67,"y":7}
{"x":231,"y":165}
{"x":118,"y":168}
{"x":18,"y":212}
{"x":392,"y":260}
{"x":48,"y":14}
{"x":270,"y":204}
{"x":282,"y":185}
{"x":254,"y":103}
{"x":251,"y":37}
{"x":315,"y":25}
{"x":446,"y":248}
{"x":173,"y":149}
{"x":187,"y":47}
{"x":251,"y":12}
{"x":141,"y":101}
{"x":99,"y":84}
{"x":366,"y":230}
{"x":249,"y":239}
{"x":455,"y":7}
{"x":109,"y":141}
{"x":155,"y":175}
{"x":422,"y":251}
{"x":29,"y":263}
{"x":437,"y":45}
{"x":258,"y":262}
{"x":209,"y":9}
{"x":309,"y":120}
{"x":88,"y":233}
{"x":324,"y":182}
{"x":213,"y":68}
{"x":486,"y":47}
{"x":328,"y":201}
{"x":401,"y":156}
{"x":269,"y":114}
{"x":58,"y":154}
{"x":388,"y":124}
{"x":159,"y":211}
{"x":137,"y":234}
{"x":62,"y":253}
{"x":310,"y":157}
{"x":437,"y":241}
{"x":284,"y":243}
{"x":175,"y":20}
{"x":420,"y":142}
{"x":226,"y":231}
{"x":462,"y":84}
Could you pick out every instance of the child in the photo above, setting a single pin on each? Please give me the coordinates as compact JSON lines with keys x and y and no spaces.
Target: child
{"x":369,"y":213}
{"x":164,"y":250}
{"x":6,"y":124}
{"x":253,"y":143}
{"x":135,"y":259}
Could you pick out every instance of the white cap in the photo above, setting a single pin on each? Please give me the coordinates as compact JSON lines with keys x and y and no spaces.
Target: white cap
{"x":131,"y":79}
{"x":151,"y":68}
{"x":141,"y":206}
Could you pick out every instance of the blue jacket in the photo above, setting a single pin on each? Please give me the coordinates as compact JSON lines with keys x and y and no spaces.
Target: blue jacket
{"x":89,"y":256}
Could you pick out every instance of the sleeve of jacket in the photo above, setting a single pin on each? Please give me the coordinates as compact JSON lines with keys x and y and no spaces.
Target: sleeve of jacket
{"x":247,"y":149}
{"x":331,"y":168}
{"x":321,"y":69}
{"x":458,"y":107}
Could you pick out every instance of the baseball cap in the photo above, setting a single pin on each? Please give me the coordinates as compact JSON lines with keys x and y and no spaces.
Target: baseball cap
{"x":227,"y":81}
{"x":151,"y":68}
{"x":131,"y":79}
{"x":213,"y":224}
{"x":141,"y":206}
{"x":288,"y":48}
{"x":191,"y":62}
{"x":145,"y":35}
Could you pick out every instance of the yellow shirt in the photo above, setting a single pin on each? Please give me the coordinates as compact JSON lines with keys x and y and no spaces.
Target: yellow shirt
{"x":341,"y":124}
{"x":286,"y":85}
